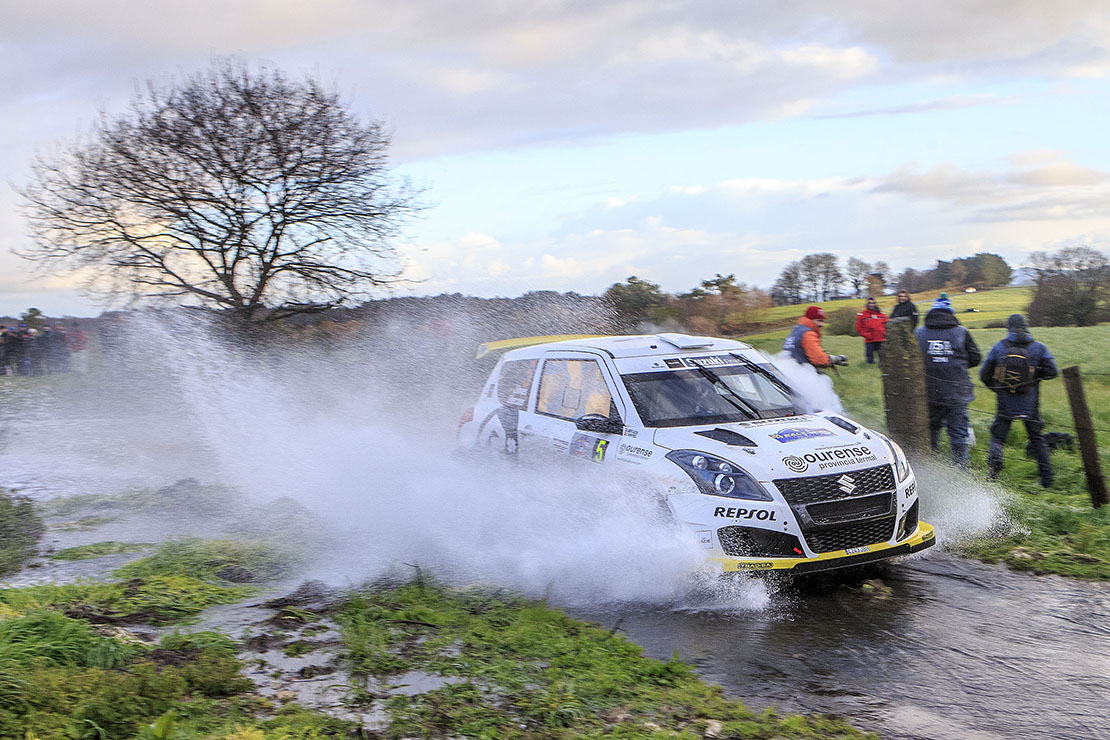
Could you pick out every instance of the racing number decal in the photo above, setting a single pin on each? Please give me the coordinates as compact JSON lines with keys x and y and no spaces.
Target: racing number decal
{"x":599,"y":450}
{"x":587,"y":447}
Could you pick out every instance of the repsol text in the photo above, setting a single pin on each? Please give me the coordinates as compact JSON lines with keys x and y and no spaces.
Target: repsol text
{"x":762,"y":515}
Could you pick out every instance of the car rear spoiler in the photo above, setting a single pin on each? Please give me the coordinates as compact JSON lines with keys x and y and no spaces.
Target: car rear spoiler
{"x":503,"y":344}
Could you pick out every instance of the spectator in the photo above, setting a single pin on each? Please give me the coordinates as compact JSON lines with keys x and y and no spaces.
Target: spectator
{"x":5,"y":345}
{"x":871,"y":325}
{"x":905,"y":308}
{"x":803,"y":343}
{"x":1014,"y":370}
{"x":55,"y":350}
{"x":78,"y":341}
{"x":20,"y":353}
{"x":949,"y":351}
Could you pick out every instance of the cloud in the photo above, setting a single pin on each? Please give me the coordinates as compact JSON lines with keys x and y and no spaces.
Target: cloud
{"x":949,"y":103}
{"x":1040,"y":186}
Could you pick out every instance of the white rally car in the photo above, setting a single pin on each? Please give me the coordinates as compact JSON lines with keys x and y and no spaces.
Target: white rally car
{"x":712,"y":427}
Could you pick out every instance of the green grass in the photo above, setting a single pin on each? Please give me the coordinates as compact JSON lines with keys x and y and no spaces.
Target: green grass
{"x":991,"y":305}
{"x":98,"y":550}
{"x":525,"y":671}
{"x":1080,"y":547}
{"x":20,"y":530}
{"x":174,"y":584}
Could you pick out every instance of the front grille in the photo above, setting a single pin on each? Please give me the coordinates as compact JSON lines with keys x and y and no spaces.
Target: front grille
{"x":818,"y":488}
{"x":858,"y":507}
{"x":741,"y":542}
{"x":844,"y":536}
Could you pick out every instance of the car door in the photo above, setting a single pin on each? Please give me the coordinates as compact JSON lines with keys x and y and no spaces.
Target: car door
{"x":573,"y":386}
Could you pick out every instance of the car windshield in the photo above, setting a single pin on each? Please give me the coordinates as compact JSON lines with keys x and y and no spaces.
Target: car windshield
{"x":677,"y":398}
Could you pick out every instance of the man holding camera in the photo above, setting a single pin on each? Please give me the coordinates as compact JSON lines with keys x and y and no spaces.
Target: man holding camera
{"x":803,"y":343}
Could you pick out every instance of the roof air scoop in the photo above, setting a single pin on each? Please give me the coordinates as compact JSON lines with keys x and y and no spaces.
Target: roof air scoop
{"x":685,"y":341}
{"x":729,"y":437}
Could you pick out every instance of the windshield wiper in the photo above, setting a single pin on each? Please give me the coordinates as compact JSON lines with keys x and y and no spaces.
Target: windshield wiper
{"x":749,"y":410}
{"x":765,"y":373}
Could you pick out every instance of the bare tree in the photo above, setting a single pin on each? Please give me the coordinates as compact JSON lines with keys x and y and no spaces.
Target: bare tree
{"x":240,"y":189}
{"x":789,"y":288}
{"x":809,"y":269}
{"x":858,"y":270}
{"x":882,"y":269}
{"x":829,"y":275}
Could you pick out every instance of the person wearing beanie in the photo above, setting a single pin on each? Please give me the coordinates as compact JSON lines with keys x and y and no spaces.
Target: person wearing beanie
{"x":803,"y":343}
{"x":944,"y":302}
{"x":948,"y":351}
{"x":1014,"y":370}
{"x":871,"y":325}
{"x":905,"y":308}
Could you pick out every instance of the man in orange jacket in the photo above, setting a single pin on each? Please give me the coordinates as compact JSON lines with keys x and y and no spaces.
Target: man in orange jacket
{"x":871,"y":325}
{"x":804,"y":341}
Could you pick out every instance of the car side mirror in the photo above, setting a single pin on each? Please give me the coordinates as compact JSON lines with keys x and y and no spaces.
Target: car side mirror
{"x":599,"y":424}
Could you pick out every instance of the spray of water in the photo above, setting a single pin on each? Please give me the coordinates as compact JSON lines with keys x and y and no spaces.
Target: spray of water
{"x":361,"y":434}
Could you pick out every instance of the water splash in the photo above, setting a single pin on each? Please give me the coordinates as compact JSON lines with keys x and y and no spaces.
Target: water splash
{"x":361,"y":433}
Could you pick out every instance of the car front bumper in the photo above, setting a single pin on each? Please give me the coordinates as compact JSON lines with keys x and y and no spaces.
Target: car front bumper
{"x":923,"y":538}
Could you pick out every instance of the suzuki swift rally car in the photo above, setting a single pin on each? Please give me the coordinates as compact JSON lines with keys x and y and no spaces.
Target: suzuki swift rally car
{"x":712,"y":427}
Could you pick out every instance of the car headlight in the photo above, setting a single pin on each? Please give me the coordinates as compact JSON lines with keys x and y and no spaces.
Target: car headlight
{"x":718,"y":477}
{"x":901,"y":464}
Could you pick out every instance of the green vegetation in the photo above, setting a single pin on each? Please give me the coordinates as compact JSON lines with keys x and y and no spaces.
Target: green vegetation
{"x":515,"y":669}
{"x":175,"y":583}
{"x":1065,"y":534}
{"x":98,"y":550}
{"x":20,"y":531}
{"x":511,"y":668}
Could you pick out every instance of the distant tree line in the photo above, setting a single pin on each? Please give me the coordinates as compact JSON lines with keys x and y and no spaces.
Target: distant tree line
{"x":718,"y":305}
{"x":1072,"y":288}
{"x":819,"y":277}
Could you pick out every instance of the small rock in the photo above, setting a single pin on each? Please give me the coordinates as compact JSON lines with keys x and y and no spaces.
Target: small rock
{"x":713,"y":728}
{"x":285,"y":696}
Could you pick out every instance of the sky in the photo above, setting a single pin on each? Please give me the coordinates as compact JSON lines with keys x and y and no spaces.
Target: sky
{"x":568,"y":144}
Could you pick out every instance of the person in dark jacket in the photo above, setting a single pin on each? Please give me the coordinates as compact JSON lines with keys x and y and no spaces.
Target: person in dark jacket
{"x":1014,"y":370}
{"x":949,"y":351}
{"x":905,"y":308}
{"x":871,"y":325}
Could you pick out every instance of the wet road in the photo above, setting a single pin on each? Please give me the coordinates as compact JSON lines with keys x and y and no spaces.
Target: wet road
{"x":950,"y":649}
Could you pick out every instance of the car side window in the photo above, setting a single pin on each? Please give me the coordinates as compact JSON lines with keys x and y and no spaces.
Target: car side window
{"x":570,"y":389}
{"x":514,"y":383}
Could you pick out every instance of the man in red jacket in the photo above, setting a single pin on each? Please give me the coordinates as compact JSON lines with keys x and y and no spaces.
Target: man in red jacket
{"x":871,"y":325}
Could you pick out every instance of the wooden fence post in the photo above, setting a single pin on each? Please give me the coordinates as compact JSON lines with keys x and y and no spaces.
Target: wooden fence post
{"x":1085,"y":431}
{"x":904,"y":399}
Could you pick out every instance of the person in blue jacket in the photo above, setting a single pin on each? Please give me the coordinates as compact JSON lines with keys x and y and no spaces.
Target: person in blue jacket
{"x":948,"y":351}
{"x":1014,"y":370}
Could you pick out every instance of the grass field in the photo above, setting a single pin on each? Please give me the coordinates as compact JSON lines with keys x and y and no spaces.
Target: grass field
{"x":1065,"y":535}
{"x":989,"y":305}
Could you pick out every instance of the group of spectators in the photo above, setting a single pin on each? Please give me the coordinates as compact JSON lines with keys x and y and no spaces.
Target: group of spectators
{"x":46,"y":351}
{"x":1013,"y":370}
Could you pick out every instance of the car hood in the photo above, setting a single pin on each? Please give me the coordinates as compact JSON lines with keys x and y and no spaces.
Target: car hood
{"x":790,"y":447}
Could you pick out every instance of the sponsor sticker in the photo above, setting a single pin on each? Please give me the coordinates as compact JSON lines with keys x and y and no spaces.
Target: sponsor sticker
{"x":673,"y":362}
{"x":771,"y":422}
{"x":631,"y":432}
{"x":585,"y":446}
{"x":729,"y":512}
{"x":762,"y":565}
{"x":857,"y":550}
{"x":825,"y":459}
{"x":712,"y":361}
{"x":627,"y":450}
{"x":793,"y":434}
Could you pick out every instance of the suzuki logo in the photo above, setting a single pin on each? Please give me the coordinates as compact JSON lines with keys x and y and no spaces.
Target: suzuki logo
{"x":847,"y":483}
